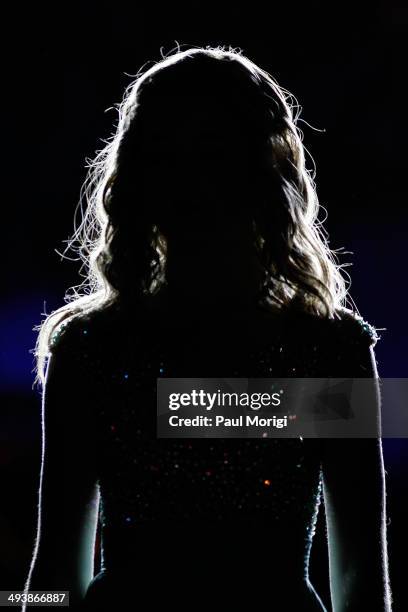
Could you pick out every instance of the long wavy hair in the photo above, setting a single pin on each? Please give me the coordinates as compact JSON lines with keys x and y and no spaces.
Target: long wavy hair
{"x":122,"y":250}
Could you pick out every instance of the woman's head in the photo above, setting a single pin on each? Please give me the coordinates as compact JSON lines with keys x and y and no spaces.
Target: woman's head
{"x":206,"y":144}
{"x":197,"y":143}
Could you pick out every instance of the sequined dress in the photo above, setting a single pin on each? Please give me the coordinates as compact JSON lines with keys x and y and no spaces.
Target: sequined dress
{"x":232,"y":518}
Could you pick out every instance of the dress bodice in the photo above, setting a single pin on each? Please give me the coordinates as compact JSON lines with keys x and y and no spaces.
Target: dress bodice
{"x":146,"y":483}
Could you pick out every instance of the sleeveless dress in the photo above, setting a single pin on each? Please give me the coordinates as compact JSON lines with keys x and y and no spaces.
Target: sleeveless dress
{"x":211,"y":522}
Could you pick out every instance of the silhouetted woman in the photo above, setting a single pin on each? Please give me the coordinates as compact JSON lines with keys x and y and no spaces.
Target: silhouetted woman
{"x":205,"y":258}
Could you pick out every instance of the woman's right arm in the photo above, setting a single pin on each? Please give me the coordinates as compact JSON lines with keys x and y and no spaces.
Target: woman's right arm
{"x":354,"y":499}
{"x":355,"y":505}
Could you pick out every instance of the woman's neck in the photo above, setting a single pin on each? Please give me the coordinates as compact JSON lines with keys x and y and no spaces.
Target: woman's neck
{"x":215,"y":285}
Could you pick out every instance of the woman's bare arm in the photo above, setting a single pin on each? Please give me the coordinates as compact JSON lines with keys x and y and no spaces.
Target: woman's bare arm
{"x":69,"y":495}
{"x":355,"y":504}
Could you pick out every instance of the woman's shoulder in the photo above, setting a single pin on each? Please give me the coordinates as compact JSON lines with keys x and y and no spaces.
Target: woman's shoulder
{"x":67,"y":334}
{"x":351,"y":327}
{"x":345,"y":326}
{"x":340,"y":346}
{"x":81,"y":345}
{"x":83,"y":331}
{"x":96,"y":333}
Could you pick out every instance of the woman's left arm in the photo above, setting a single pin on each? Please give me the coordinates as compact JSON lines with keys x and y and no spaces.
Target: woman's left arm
{"x":63,"y":557}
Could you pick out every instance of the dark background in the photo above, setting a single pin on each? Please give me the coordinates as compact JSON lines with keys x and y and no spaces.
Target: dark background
{"x":346,"y":65}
